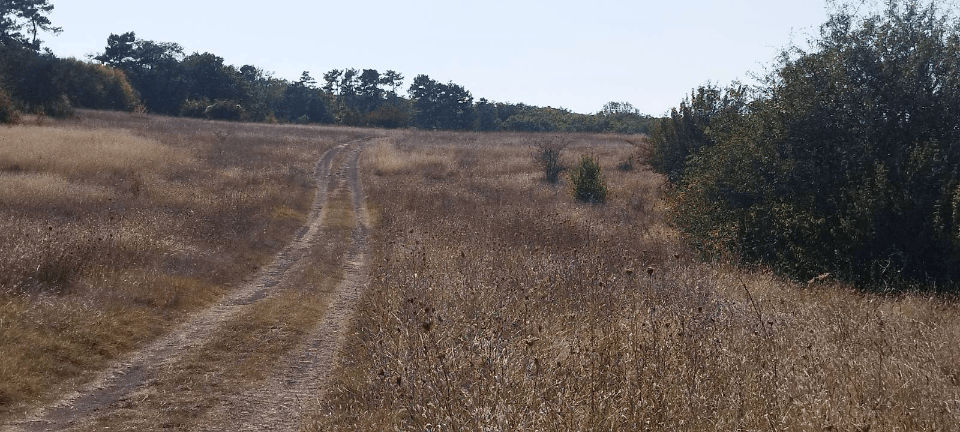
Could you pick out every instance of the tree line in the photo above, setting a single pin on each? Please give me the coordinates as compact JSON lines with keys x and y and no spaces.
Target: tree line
{"x":844,"y":160}
{"x":160,"y":77}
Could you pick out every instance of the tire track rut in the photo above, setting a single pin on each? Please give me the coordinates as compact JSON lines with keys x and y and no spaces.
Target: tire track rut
{"x":300,"y":377}
{"x":279,"y":403}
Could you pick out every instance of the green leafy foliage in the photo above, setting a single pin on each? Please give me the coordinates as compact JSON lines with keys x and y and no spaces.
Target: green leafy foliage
{"x":442,"y":106}
{"x":847,"y":160}
{"x":687,"y":129}
{"x":587,"y":181}
{"x":95,"y":86}
{"x":43,"y":83}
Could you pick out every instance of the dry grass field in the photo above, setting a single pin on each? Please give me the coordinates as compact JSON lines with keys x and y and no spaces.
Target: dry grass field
{"x":495,"y":301}
{"x":114,"y":227}
{"x":499,"y":303}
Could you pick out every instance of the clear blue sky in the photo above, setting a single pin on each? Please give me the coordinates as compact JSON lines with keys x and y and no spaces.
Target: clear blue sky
{"x":573,"y":54}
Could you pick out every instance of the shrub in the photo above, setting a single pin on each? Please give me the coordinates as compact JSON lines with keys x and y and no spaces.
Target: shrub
{"x":193,"y":108}
{"x":688,"y":129}
{"x":8,"y":111}
{"x":848,"y":163}
{"x":59,"y":107}
{"x":95,"y":86}
{"x":587,"y":181}
{"x":387,"y":116}
{"x":547,"y":156}
{"x":224,"y":110}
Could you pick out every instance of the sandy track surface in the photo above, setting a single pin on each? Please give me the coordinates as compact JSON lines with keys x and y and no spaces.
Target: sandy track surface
{"x":296,"y":385}
{"x":277,"y":404}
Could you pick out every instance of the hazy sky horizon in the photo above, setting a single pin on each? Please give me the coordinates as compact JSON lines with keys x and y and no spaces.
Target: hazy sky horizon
{"x":572,"y":54}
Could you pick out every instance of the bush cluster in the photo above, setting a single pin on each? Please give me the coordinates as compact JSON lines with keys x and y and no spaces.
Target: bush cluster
{"x":845,"y":160}
{"x":42,"y":83}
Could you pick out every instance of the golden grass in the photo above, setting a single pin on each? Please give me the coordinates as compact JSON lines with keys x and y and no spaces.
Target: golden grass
{"x":80,"y":152}
{"x":113,"y":227}
{"x":27,"y":189}
{"x":389,"y":160}
{"x":498,"y":303}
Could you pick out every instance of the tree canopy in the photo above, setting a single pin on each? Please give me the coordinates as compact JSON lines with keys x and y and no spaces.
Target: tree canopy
{"x":21,"y":20}
{"x":162,"y":78}
{"x":846,"y":159}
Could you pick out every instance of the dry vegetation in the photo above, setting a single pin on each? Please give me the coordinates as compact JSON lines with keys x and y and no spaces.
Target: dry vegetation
{"x":113,"y":227}
{"x":498,"y":303}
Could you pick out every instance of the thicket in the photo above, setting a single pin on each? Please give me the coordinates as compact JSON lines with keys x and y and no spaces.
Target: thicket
{"x":43,"y":83}
{"x":846,"y":159}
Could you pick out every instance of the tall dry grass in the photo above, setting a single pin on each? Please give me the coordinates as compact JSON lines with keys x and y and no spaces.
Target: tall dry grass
{"x":112,"y":227}
{"x":498,"y":303}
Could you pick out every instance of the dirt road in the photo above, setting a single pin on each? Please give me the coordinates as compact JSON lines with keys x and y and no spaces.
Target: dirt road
{"x":220,"y":370}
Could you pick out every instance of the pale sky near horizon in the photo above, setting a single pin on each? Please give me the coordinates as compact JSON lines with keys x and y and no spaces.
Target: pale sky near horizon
{"x":572,"y":54}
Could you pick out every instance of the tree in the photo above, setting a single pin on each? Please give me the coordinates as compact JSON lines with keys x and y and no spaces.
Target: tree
{"x":846,"y":160}
{"x":17,"y":16}
{"x":154,"y":69}
{"x":394,"y":80}
{"x":208,"y":78}
{"x":120,"y":51}
{"x":442,"y":106}
{"x":369,"y":93}
{"x":687,"y":129}
{"x":261,"y":93}
{"x":302,"y":102}
{"x":487,"y":119}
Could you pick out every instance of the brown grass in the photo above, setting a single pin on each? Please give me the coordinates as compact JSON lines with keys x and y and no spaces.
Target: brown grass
{"x":498,"y":303}
{"x":113,"y":227}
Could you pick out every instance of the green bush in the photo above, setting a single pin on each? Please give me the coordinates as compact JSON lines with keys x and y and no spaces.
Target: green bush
{"x":387,"y":116}
{"x":587,"y":181}
{"x":691,"y":127}
{"x":847,"y":161}
{"x":96,"y":86}
{"x":60,"y":107}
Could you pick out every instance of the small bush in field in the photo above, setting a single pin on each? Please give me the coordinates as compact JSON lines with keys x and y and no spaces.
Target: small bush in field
{"x":587,"y":181}
{"x":548,"y":157}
